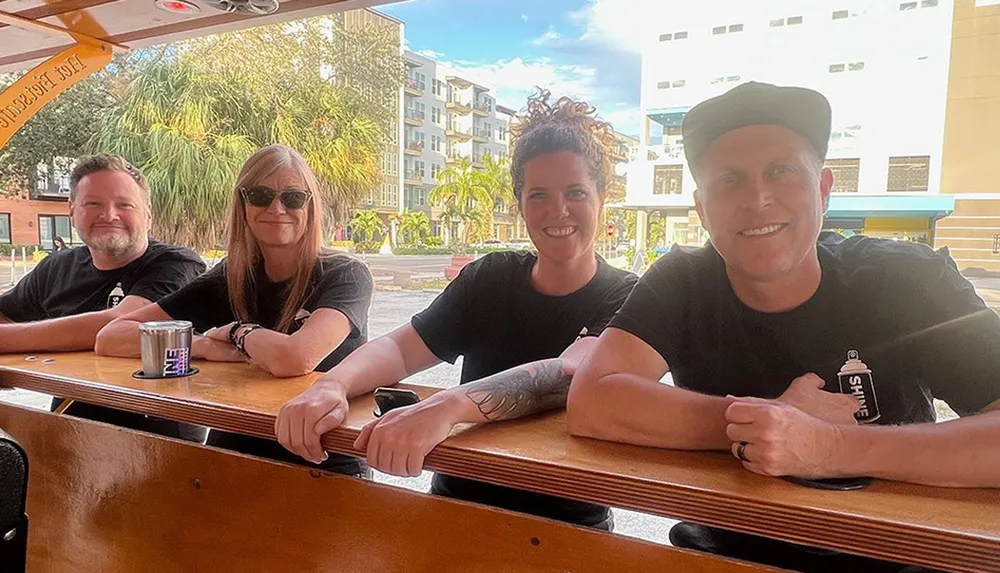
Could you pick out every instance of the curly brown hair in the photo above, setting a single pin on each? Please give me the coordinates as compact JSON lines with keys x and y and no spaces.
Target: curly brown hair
{"x":566,"y":125}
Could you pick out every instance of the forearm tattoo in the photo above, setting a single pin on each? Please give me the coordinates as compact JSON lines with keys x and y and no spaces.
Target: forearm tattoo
{"x":522,"y":391}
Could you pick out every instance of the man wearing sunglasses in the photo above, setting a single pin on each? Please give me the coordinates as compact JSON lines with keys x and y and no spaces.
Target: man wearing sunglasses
{"x":63,"y":303}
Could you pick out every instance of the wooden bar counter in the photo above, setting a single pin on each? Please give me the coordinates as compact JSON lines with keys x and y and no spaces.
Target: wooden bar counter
{"x":949,"y":529}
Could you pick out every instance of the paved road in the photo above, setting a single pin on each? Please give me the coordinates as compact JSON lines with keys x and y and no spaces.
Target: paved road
{"x":391,"y":309}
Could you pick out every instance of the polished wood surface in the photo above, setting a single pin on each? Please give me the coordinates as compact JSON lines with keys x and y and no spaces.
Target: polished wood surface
{"x":104,"y":499}
{"x":951,"y":529}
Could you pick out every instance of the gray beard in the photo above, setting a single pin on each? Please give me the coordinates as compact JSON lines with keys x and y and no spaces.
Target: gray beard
{"x":112,"y":245}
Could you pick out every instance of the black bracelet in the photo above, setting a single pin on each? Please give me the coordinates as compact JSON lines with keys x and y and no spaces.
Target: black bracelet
{"x":241,"y":340}
{"x":232,"y":331}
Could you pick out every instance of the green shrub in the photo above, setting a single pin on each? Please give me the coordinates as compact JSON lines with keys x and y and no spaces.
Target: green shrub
{"x":5,"y":250}
{"x":367,"y":247}
{"x":433,"y":241}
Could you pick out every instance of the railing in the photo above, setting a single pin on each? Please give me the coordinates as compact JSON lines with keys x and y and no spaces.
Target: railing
{"x":666,"y":152}
{"x":413,"y":85}
{"x":411,"y":175}
{"x":482,"y":106}
{"x":415,"y":114}
{"x":484,"y":133}
{"x":415,"y":145}
{"x":453,"y":130}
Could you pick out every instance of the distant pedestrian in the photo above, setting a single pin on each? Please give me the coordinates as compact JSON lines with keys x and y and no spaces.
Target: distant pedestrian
{"x":58,"y":244}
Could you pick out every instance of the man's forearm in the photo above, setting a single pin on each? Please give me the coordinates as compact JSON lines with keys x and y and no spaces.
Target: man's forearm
{"x":59,"y":334}
{"x":957,"y":453}
{"x":633,"y":410}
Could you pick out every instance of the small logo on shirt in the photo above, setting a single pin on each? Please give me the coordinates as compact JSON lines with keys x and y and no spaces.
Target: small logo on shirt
{"x":855,"y":378}
{"x":116,"y":296}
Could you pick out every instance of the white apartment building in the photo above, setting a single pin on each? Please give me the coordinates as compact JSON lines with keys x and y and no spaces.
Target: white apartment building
{"x":447,"y":117}
{"x":883,"y":64}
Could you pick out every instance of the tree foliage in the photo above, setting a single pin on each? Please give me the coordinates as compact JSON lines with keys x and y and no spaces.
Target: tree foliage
{"x":413,"y":227}
{"x":467,"y":196}
{"x":195,"y":110}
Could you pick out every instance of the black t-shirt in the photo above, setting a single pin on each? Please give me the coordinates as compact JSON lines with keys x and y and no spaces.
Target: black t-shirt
{"x":492,"y":316}
{"x":67,"y":283}
{"x":902,"y":310}
{"x":340,"y":282}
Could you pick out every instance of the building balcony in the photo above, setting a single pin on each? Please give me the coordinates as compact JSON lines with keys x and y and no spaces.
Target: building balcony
{"x":481,"y":108}
{"x":414,"y":117}
{"x":458,"y":133}
{"x":414,"y":148}
{"x":458,"y":106}
{"x":455,"y":157}
{"x":621,"y":153}
{"x":482,"y":135}
{"x":460,"y":82}
{"x":411,"y":87}
{"x":413,"y":177}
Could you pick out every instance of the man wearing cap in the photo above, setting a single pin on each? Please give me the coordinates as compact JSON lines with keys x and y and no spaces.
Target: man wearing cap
{"x":803,"y":354}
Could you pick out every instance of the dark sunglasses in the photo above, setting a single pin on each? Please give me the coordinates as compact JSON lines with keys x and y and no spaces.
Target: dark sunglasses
{"x":260,"y":196}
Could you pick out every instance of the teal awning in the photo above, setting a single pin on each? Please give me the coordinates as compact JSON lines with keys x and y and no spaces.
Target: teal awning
{"x":668,"y":117}
{"x":847,"y":205}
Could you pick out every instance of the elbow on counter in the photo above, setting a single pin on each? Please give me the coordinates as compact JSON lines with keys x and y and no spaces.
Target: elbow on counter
{"x":583,"y":412}
{"x":104,"y":343}
{"x":289,"y":364}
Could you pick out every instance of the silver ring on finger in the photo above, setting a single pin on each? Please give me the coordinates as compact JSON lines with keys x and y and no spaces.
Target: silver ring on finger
{"x":741,"y":451}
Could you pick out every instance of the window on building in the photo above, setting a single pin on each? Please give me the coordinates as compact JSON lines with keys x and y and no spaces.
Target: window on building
{"x":680,"y":35}
{"x":438,"y":88}
{"x":996,"y":244}
{"x":718,"y":30}
{"x":5,"y":228}
{"x":436,"y":143}
{"x":419,"y":167}
{"x":662,"y":85}
{"x":794,"y":20}
{"x":841,"y":14}
{"x":778,"y":23}
{"x":435,"y":169}
{"x":501,"y":133}
{"x":666,"y":37}
{"x":437,"y":118}
{"x":908,"y":174}
{"x":845,"y":174}
{"x":52,"y":226}
{"x":836,"y":68}
{"x":668,"y":179}
{"x":679,"y":83}
{"x":733,"y":28}
{"x":907,"y":6}
{"x":856,"y":66}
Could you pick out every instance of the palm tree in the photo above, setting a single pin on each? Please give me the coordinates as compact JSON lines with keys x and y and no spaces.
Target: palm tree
{"x":366,"y":224}
{"x":414,"y":226}
{"x":466,"y":193}
{"x":498,"y":170}
{"x":195,"y":111}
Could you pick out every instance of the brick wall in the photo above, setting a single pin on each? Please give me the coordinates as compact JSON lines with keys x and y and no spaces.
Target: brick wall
{"x":24,"y":217}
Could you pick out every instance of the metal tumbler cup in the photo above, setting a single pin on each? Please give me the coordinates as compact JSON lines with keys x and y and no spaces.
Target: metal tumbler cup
{"x":166,"y":348}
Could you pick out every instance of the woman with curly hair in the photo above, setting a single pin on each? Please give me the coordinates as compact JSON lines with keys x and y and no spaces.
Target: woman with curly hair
{"x":522,"y":321}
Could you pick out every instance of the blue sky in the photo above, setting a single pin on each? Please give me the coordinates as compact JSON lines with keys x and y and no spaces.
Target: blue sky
{"x":582,"y":48}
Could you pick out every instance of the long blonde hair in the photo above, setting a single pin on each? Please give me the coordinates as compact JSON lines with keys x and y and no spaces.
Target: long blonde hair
{"x":244,"y":251}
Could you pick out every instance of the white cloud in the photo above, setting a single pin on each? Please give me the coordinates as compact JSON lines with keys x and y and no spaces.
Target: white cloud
{"x":550,"y":35}
{"x":630,"y":24}
{"x":516,"y":79}
{"x":430,"y":54}
{"x":524,"y":17}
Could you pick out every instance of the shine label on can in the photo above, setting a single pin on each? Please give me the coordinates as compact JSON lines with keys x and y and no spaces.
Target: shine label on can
{"x":166,"y":348}
{"x":855,"y":378}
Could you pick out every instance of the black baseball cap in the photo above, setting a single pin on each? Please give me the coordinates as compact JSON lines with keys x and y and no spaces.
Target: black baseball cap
{"x":804,"y":111}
